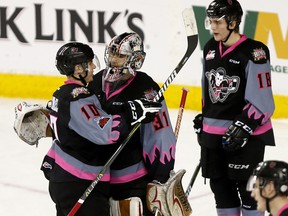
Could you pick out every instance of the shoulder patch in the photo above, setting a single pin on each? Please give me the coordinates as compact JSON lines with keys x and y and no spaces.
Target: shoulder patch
{"x":150,"y":94}
{"x":79,"y":90}
{"x":259,"y":54}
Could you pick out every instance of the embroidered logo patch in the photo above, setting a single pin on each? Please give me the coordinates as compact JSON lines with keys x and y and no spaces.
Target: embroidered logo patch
{"x":259,"y":54}
{"x":210,"y":55}
{"x":79,"y":90}
{"x":103,"y":121}
{"x":150,"y":94}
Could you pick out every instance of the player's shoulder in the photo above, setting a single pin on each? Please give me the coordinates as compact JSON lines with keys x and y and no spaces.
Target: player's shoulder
{"x":71,"y":92}
{"x":144,"y":79}
{"x":143,"y":76}
{"x":251,"y":44}
{"x":255,"y":51}
{"x":143,"y":84}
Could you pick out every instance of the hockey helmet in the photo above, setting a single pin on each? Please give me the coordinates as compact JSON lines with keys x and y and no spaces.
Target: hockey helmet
{"x":271,"y":171}
{"x":230,"y":10}
{"x":71,"y":54}
{"x":128,"y":44}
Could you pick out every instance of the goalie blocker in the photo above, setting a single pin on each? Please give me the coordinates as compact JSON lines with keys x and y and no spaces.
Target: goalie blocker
{"x":168,"y":199}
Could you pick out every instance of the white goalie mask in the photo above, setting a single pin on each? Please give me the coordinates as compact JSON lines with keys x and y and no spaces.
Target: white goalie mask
{"x":124,"y":54}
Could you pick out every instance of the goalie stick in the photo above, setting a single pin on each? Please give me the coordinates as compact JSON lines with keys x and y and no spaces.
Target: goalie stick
{"x":177,"y":127}
{"x":180,"y":112}
{"x":192,"y":40}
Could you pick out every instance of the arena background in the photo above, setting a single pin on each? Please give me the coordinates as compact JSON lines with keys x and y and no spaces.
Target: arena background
{"x":31,"y":32}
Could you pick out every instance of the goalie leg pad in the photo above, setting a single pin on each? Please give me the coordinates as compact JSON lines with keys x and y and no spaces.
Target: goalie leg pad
{"x":169,"y":198}
{"x":128,"y":207}
{"x":156,"y":199}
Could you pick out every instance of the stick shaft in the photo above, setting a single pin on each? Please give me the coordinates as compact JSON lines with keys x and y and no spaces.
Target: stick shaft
{"x":192,"y":180}
{"x":181,"y":110}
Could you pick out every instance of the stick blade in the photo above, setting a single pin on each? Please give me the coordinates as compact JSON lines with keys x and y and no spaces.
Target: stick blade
{"x":189,"y":22}
{"x":191,"y":29}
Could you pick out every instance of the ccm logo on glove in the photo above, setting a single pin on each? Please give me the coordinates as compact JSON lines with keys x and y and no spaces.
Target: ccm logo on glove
{"x":244,"y":126}
{"x":133,"y":110}
{"x":142,"y":110}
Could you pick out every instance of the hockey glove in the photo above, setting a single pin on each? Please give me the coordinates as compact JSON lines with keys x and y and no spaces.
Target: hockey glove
{"x":31,"y":122}
{"x":237,"y":134}
{"x":142,"y":110}
{"x":198,"y":126}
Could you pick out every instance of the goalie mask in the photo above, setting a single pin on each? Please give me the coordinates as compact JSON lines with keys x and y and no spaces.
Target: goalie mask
{"x":124,"y":54}
{"x":31,"y":122}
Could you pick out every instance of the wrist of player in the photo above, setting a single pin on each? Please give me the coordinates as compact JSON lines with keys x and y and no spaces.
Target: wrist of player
{"x":142,"y":110}
{"x":198,"y":123}
{"x":238,"y":134}
{"x":198,"y":127}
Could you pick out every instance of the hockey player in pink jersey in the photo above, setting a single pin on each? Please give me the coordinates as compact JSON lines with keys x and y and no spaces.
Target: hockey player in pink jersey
{"x":236,"y":110}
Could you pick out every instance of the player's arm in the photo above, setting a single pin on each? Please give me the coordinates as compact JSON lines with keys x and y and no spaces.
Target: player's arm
{"x":92,"y":122}
{"x":260,"y":103}
{"x":158,"y":141}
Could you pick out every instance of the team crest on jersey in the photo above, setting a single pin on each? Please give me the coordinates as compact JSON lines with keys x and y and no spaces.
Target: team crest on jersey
{"x":221,"y":85}
{"x":210,"y":55}
{"x":79,"y":90}
{"x":259,"y":54}
{"x":150,"y":94}
{"x":103,"y":121}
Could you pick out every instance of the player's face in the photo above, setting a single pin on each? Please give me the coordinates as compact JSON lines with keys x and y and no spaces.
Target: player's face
{"x":80,"y":71}
{"x":219,"y":28}
{"x":255,"y":193}
{"x":91,"y":67}
{"x":117,"y":59}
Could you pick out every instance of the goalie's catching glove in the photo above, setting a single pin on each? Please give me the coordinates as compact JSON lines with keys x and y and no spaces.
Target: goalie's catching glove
{"x":142,"y":110}
{"x":31,"y":122}
{"x":238,"y":133}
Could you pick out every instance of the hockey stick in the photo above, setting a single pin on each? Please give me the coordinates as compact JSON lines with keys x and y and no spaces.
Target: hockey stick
{"x":180,"y":112}
{"x":177,"y":127}
{"x":192,"y":39}
{"x":192,"y":180}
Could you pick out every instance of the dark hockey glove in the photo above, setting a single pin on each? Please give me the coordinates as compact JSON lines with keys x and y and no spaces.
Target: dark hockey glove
{"x":238,"y":133}
{"x":142,"y":110}
{"x":198,"y":126}
{"x":198,"y":123}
